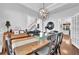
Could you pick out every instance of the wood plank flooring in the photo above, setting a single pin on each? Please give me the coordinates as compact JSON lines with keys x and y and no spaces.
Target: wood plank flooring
{"x":67,"y":48}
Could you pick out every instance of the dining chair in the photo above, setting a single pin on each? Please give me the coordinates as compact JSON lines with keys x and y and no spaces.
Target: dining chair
{"x":60,"y":41}
{"x":10,"y":51}
{"x":51,"y":49}
{"x":54,"y":43}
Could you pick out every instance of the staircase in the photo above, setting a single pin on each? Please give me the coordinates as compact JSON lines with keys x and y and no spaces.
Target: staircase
{"x":32,"y":26}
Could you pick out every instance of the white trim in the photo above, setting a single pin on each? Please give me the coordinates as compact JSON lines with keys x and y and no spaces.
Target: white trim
{"x":55,"y":6}
{"x":73,"y":43}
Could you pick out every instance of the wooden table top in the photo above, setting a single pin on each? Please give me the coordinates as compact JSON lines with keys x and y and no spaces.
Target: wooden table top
{"x":18,"y":36}
{"x":27,"y":49}
{"x":21,"y":39}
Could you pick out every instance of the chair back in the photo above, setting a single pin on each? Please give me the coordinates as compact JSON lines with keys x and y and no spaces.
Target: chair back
{"x":9,"y":46}
{"x":53,"y":38}
{"x":60,"y":37}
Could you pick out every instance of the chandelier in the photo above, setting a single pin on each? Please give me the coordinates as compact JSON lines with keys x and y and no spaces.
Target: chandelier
{"x":43,"y":12}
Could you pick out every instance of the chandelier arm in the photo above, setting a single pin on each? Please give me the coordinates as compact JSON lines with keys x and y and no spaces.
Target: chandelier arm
{"x":43,"y":5}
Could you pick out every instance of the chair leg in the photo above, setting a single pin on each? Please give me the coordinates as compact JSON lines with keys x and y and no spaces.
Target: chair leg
{"x":59,"y":50}
{"x":36,"y":53}
{"x":56,"y":52}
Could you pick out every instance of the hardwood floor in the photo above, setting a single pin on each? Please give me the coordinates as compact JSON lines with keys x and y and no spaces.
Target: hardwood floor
{"x":67,"y":48}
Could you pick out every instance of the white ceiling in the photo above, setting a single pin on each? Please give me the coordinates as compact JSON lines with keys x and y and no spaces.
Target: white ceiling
{"x":53,"y":8}
{"x":36,"y":6}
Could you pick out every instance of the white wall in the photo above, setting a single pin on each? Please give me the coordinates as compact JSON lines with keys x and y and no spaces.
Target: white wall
{"x":55,"y":21}
{"x":19,"y":16}
{"x":75,"y":31}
